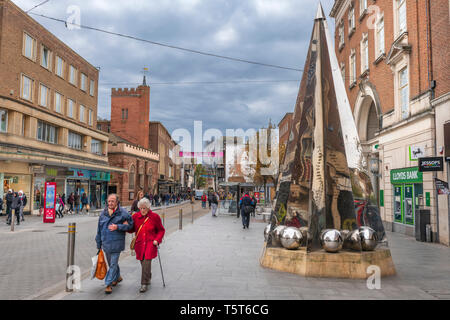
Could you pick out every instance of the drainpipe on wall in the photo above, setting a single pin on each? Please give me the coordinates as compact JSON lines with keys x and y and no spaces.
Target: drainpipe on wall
{"x":432,"y":85}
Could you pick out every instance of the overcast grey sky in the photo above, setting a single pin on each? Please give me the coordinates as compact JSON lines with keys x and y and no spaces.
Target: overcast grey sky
{"x":268,"y":31}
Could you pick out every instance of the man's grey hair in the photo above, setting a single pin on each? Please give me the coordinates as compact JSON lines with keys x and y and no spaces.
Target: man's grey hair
{"x":115,"y":195}
{"x":144,"y":202}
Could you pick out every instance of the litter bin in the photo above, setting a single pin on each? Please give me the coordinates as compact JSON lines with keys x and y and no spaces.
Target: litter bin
{"x":422,"y":218}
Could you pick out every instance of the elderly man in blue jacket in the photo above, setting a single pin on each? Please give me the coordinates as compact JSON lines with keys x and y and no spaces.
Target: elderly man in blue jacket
{"x":113,"y":224}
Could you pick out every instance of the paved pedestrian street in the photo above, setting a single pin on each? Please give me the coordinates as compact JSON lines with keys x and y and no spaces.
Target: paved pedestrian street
{"x":33,"y":258}
{"x":216,"y":259}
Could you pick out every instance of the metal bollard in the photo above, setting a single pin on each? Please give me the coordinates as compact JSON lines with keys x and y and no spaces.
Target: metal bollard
{"x":70,"y":252}
{"x":180,"y":224}
{"x":192,"y":208}
{"x":164,"y":218}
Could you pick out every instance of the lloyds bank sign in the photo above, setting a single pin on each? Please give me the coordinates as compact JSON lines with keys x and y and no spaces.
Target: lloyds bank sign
{"x":406,"y":175}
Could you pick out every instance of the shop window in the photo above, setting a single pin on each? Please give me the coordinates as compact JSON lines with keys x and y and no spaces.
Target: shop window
{"x":3,"y":120}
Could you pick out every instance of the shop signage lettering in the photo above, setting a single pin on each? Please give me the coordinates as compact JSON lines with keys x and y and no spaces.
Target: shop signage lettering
{"x":406,"y":175}
{"x":51,"y":172}
{"x":431,"y":164}
{"x":442,"y":187}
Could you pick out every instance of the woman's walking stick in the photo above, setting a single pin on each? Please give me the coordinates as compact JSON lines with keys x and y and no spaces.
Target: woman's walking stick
{"x":162,"y":274}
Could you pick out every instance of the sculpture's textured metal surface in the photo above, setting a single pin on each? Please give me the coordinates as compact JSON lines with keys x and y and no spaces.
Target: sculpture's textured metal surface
{"x":323,"y":170}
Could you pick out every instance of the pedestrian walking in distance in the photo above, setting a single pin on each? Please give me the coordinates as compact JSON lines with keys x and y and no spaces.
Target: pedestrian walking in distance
{"x":113,"y":224}
{"x":9,"y":199}
{"x":246,"y":205}
{"x":15,"y":205}
{"x":134,"y":206}
{"x":214,"y":203}
{"x":149,"y":233}
{"x":22,"y":203}
{"x":204,"y":198}
{"x":84,"y":202}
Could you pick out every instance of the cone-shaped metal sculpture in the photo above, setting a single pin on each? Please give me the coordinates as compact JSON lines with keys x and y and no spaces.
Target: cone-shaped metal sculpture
{"x":323,"y":170}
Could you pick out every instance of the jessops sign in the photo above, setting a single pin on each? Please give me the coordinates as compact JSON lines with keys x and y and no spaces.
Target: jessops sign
{"x":431,"y":164}
{"x":406,"y":175}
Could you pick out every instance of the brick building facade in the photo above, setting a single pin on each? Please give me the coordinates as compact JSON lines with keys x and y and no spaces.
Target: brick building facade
{"x":141,"y":169}
{"x":394,"y":61}
{"x":48,"y":112}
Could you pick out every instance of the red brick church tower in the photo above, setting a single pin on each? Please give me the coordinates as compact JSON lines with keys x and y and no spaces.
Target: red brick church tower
{"x":130,"y":112}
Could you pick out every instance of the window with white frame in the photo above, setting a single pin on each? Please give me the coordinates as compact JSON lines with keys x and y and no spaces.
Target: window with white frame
{"x":92,"y":88}
{"x":351,"y":19}
{"x":404,"y":92}
{"x":352,"y":67}
{"x":343,"y":71}
{"x":46,"y":56}
{"x":3,"y":120}
{"x":379,"y":34}
{"x":90,"y":120}
{"x":75,"y":140}
{"x":82,"y":112}
{"x":73,"y":75}
{"x":58,"y":102}
{"x":70,"y":107}
{"x":401,"y":16}
{"x":83,"y":82}
{"x":27,"y":88}
{"x":43,"y":96}
{"x":29,"y":46}
{"x":96,"y":146}
{"x":365,"y":53}
{"x":341,"y":34}
{"x":362,"y":7}
{"x":46,"y":132}
{"x":59,"y":67}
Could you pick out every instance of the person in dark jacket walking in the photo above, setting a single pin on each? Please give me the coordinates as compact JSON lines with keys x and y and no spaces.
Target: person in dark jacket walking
{"x":246,"y":205}
{"x":84,"y":202}
{"x":113,"y":224}
{"x":255,"y":202}
{"x":71,"y":202}
{"x":77,"y":202}
{"x":22,"y":204}
{"x":9,"y":200}
{"x":15,"y":205}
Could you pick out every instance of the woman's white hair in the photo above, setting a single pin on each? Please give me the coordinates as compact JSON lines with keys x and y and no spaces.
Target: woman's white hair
{"x":144,"y":202}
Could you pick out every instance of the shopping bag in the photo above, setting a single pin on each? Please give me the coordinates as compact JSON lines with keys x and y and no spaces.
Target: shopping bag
{"x":102,"y":266}
{"x":94,"y":266}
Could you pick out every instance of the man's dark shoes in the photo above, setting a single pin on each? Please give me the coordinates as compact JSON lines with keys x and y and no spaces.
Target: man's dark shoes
{"x":116,"y":282}
{"x":108,"y":290}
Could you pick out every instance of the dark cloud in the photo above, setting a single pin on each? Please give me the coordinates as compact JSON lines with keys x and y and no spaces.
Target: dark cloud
{"x":268,"y":31}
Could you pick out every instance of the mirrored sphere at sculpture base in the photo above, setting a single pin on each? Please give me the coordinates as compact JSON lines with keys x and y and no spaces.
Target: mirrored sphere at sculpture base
{"x":331,"y":240}
{"x":353,"y":240}
{"x":267,"y":232}
{"x":276,"y":236}
{"x":291,"y":238}
{"x":369,"y":238}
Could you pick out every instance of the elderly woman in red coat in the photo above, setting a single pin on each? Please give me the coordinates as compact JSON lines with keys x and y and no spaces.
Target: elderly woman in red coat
{"x":149,"y":232}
